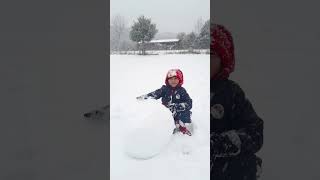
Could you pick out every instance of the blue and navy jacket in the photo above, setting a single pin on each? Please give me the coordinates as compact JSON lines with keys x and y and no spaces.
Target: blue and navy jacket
{"x":177,"y":97}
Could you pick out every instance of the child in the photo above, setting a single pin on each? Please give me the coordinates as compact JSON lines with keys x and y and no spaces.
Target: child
{"x":176,"y":99}
{"x":236,"y":131}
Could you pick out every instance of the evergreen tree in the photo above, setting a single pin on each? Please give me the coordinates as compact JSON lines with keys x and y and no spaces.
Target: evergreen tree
{"x":142,"y":31}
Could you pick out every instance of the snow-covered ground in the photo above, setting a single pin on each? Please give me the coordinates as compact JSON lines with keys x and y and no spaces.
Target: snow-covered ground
{"x":131,"y":76}
{"x":164,"y":52}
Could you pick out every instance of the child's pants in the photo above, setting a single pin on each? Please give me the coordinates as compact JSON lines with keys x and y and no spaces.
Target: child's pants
{"x":184,"y":116}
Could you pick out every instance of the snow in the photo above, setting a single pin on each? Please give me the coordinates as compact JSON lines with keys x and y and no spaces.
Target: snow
{"x":153,"y":133}
{"x":163,"y":40}
{"x":150,"y":125}
{"x":164,"y":52}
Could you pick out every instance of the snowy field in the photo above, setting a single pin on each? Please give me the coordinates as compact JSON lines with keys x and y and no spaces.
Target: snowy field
{"x":131,"y":76}
{"x":163,"y":52}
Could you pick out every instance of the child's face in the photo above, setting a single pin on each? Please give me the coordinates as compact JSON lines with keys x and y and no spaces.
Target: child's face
{"x":173,"y":82}
{"x":215,"y":65}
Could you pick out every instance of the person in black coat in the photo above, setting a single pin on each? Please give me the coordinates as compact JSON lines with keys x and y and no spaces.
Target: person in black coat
{"x":236,"y":131}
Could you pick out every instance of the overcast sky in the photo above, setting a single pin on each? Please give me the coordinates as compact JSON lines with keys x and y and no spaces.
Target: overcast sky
{"x":169,"y":15}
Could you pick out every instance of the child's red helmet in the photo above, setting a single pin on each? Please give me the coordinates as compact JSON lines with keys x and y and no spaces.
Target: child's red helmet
{"x":175,"y":73}
{"x":222,"y":46}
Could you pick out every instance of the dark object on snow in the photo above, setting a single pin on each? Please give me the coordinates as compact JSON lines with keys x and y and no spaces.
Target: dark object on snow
{"x":98,"y":114}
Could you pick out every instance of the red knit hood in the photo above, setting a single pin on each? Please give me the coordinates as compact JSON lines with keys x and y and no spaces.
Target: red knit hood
{"x":174,"y":73}
{"x":222,"y":46}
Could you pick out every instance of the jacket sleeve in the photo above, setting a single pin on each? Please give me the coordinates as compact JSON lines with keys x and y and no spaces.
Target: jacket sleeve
{"x":187,"y":104}
{"x":157,"y":93}
{"x":246,"y":139}
{"x":251,"y":128}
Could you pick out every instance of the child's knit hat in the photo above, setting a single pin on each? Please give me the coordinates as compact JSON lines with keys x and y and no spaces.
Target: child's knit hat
{"x":222,"y":46}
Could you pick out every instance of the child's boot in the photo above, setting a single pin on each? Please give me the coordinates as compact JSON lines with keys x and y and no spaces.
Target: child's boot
{"x":184,"y":130}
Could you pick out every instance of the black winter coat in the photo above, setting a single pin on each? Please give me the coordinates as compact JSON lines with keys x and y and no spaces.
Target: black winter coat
{"x":236,"y":133}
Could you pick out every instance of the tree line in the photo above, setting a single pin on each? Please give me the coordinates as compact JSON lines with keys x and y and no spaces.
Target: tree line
{"x":144,"y":30}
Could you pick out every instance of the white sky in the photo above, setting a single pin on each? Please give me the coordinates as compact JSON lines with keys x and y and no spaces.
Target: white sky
{"x":169,"y":15}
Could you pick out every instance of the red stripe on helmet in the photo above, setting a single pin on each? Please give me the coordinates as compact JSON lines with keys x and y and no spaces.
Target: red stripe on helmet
{"x":174,"y":72}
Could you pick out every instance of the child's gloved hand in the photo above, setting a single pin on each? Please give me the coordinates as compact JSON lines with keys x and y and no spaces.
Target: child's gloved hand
{"x":225,"y":145}
{"x":180,"y":107}
{"x":142,"y":97}
{"x":177,"y":107}
{"x":171,"y":107}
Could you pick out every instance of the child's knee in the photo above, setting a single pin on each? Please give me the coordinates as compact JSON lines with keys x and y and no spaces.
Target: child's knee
{"x":185,"y":120}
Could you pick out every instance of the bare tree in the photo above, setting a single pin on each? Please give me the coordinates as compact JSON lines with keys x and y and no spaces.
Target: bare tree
{"x":198,"y":26}
{"x":118,"y":24}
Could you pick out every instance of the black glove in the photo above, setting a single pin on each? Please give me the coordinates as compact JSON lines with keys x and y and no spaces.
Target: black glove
{"x":171,"y":107}
{"x":180,"y":107}
{"x":225,"y":144}
{"x":176,"y":107}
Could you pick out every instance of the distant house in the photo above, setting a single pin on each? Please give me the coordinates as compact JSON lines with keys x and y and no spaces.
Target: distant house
{"x":162,"y":44}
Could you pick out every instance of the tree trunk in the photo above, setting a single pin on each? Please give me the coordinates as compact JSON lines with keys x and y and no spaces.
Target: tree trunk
{"x":143,"y":48}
